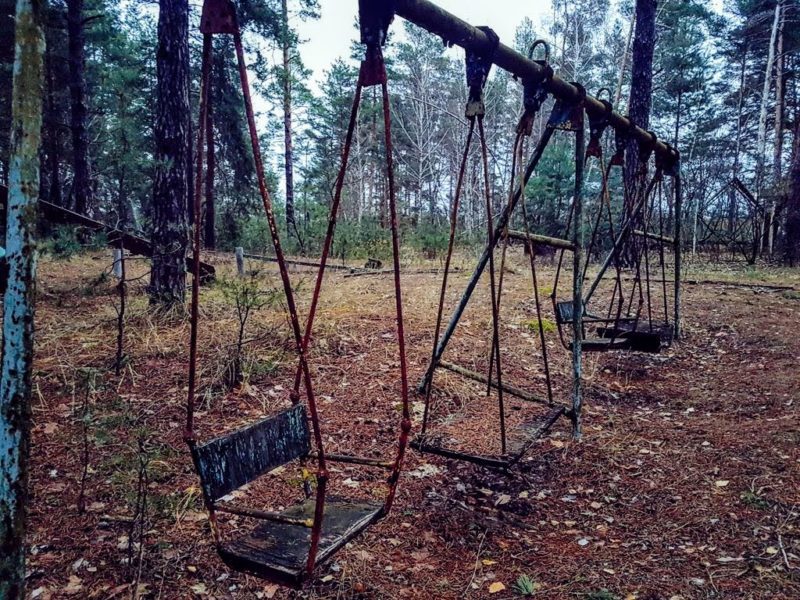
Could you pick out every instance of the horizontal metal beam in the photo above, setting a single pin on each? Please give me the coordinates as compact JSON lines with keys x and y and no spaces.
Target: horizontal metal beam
{"x":453,"y":30}
{"x":541,"y":239}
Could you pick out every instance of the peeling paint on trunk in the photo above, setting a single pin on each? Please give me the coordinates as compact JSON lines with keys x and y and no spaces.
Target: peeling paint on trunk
{"x":17,"y":354}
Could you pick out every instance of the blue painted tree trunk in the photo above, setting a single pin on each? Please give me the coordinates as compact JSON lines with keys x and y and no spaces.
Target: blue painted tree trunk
{"x":18,"y":301}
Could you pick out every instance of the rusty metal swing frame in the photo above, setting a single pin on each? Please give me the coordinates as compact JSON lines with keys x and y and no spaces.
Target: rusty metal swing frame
{"x":455,"y":31}
{"x":286,"y":546}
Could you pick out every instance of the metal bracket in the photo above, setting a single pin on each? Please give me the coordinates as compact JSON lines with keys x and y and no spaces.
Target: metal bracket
{"x":374,"y":18}
{"x":646,"y":149}
{"x":669,"y":163}
{"x":478,"y":66}
{"x":568,"y":116}
{"x":373,"y":68}
{"x":534,"y":91}
{"x":597,"y":127}
{"x":218,"y":16}
{"x":620,"y":139}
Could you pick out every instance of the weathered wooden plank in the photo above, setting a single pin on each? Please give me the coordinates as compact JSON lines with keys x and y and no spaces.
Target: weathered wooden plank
{"x":541,"y":239}
{"x":278,"y":551}
{"x":230,"y":461}
{"x":653,"y":236}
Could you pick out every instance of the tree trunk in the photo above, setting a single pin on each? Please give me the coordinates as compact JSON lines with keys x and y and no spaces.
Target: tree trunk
{"x":81,"y":187}
{"x":18,"y":301}
{"x":171,"y":187}
{"x":623,"y":67}
{"x":732,"y":204}
{"x":762,"y":115}
{"x":793,"y":205}
{"x":644,"y":41}
{"x":209,"y":233}
{"x":53,"y":159}
{"x":779,"y":102}
{"x":286,"y":47}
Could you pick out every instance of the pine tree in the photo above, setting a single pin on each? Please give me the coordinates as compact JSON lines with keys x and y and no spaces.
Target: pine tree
{"x":81,"y":185}
{"x":644,"y":41}
{"x":171,"y":187}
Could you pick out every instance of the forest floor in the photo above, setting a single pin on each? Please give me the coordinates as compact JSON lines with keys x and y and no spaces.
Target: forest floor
{"x":686,"y":483}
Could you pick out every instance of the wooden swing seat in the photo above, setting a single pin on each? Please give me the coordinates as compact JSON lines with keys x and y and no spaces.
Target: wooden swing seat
{"x":528,"y":433}
{"x":279,"y":551}
{"x":641,"y":341}
{"x":276,"y":550}
{"x":623,"y":337}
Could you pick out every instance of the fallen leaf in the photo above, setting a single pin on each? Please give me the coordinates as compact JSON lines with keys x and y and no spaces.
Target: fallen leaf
{"x":488,"y":562}
{"x":496,"y":587}
{"x":74,"y":585}
{"x":199,"y":589}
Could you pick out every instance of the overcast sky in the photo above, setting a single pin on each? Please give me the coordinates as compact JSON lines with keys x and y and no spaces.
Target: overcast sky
{"x":330,"y":36}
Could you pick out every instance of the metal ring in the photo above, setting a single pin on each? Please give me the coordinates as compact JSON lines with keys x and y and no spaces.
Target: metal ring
{"x":533,"y":47}
{"x":600,"y":93}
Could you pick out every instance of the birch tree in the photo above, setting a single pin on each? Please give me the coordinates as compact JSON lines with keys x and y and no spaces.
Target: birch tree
{"x":18,"y":302}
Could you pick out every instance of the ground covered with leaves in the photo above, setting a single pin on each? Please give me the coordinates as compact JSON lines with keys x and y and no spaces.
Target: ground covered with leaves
{"x":686,"y":483}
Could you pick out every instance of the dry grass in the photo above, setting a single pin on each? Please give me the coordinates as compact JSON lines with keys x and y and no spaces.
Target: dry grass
{"x":637,"y":509}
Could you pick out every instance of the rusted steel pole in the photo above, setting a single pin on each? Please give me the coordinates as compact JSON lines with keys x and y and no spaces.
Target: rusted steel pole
{"x":577,"y":283}
{"x":453,"y":30}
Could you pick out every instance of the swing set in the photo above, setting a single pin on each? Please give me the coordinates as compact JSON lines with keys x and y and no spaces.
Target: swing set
{"x":285,"y":546}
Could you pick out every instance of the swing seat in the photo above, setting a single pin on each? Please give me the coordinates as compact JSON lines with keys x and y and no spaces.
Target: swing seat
{"x":275,"y":550}
{"x":608,"y":344}
{"x":527,"y":434}
{"x":279,"y":551}
{"x":641,"y":341}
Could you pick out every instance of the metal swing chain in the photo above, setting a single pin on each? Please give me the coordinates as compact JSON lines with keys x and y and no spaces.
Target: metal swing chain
{"x":597,"y":126}
{"x":477,"y":72}
{"x":661,"y":256}
{"x":503,"y":253}
{"x":405,"y":423}
{"x":535,"y":279}
{"x":188,"y":434}
{"x":492,"y":285}
{"x":533,"y":96}
{"x":478,"y":67}
{"x":448,"y":258}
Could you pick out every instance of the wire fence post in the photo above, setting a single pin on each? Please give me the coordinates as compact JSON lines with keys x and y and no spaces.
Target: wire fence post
{"x":240,"y":261}
{"x":117,"y":263}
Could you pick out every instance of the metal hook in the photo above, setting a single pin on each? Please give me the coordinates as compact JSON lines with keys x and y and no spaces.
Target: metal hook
{"x":600,"y":93}
{"x":533,"y":47}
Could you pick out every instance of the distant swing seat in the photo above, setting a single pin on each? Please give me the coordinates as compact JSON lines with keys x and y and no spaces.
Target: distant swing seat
{"x":277,"y":548}
{"x":622,"y":337}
